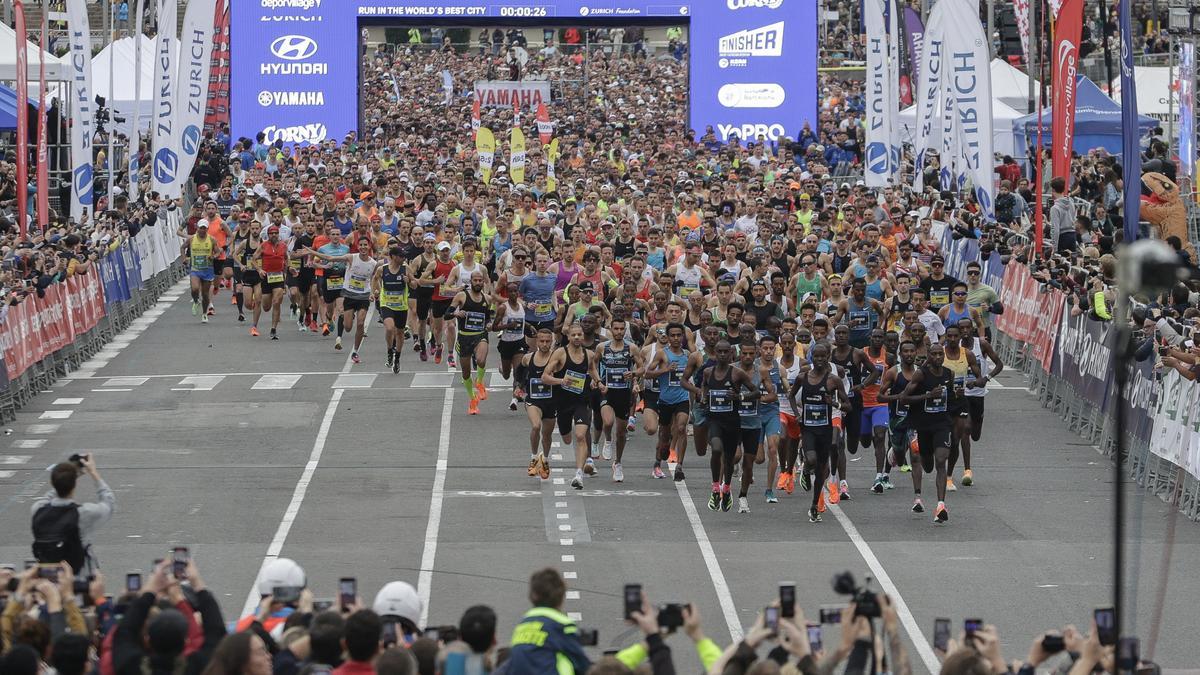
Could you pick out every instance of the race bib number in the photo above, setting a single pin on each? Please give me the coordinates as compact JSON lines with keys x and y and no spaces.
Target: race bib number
{"x":274,"y":277}
{"x":573,"y":381}
{"x":816,"y":414}
{"x":685,"y":291}
{"x":539,"y":390}
{"x":748,"y":407}
{"x":543,"y":308}
{"x":615,"y":378}
{"x":201,"y":262}
{"x":447,"y":290}
{"x":937,"y":405}
{"x":939,"y":298}
{"x":393,"y":300}
{"x":357,"y":285}
{"x":334,"y":283}
{"x":675,"y":378}
{"x":294,"y":263}
{"x":720,"y":401}
{"x":474,"y":322}
{"x":859,"y":319}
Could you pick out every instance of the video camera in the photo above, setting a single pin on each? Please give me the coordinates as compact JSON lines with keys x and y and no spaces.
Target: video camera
{"x":866,"y":602}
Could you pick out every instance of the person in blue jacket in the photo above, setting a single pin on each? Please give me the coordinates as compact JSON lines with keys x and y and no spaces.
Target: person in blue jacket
{"x":546,"y":641}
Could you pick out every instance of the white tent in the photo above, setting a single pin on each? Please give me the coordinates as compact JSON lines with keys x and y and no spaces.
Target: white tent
{"x":1002,"y":132}
{"x":56,"y":69}
{"x":1011,"y":86}
{"x":122,"y":103}
{"x":1154,"y":86}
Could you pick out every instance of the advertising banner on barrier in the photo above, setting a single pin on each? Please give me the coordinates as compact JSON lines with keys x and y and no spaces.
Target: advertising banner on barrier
{"x":35,"y":329}
{"x":1084,"y":358}
{"x":1176,"y":435}
{"x":112,"y":272}
{"x":85,"y":302}
{"x":1018,"y":292}
{"x":1045,"y":329}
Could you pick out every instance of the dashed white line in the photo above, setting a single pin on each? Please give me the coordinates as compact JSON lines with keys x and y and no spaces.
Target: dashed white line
{"x":29,"y":443}
{"x":7,"y":474}
{"x":43,"y":428}
{"x":105,"y":391}
{"x":14,"y":459}
{"x":568,"y":558}
{"x":572,"y":595}
{"x":56,"y":414}
{"x":67,"y":401}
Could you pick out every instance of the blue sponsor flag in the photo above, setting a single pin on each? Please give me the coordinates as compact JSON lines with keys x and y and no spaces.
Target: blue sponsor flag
{"x":1131,"y":161}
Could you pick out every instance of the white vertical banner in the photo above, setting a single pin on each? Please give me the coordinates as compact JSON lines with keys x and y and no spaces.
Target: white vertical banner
{"x":968,"y":70}
{"x":877,"y":158}
{"x":82,"y":108}
{"x":929,"y":94}
{"x":191,"y":97}
{"x":894,"y":144}
{"x":134,"y":134}
{"x":110,"y":157}
{"x":948,"y":137}
{"x":164,"y":165}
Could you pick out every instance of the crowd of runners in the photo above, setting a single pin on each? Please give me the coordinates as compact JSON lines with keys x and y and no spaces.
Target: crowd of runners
{"x":726,"y":299}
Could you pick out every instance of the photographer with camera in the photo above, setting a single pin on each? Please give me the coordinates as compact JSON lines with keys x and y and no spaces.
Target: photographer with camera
{"x":63,"y":527}
{"x":44,"y":593}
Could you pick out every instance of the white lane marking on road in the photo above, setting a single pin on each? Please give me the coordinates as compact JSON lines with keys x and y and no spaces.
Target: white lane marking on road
{"x":43,"y":428}
{"x":14,"y":459}
{"x":575,"y":616}
{"x":724,"y":597}
{"x":7,"y":474}
{"x":572,"y":595}
{"x":200,"y":383}
{"x":924,"y":650}
{"x":111,"y":390}
{"x":125,"y":381}
{"x":276,"y":382}
{"x":29,"y":443}
{"x":432,"y":528}
{"x":67,"y":401}
{"x":354,"y":381}
{"x":568,"y":558}
{"x":301,"y":489}
{"x":56,"y":414}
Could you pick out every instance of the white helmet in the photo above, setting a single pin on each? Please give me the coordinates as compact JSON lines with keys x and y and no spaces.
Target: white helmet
{"x":398,"y":598}
{"x":280,"y":572}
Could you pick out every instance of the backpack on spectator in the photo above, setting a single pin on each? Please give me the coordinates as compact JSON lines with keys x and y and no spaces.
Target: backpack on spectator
{"x":56,"y":536}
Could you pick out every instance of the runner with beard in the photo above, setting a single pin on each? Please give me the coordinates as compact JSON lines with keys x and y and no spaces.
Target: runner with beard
{"x":894,"y":382}
{"x":472,"y":311}
{"x":928,"y":397}
{"x":389,"y":287}
{"x":814,"y":394}
{"x":539,"y":403}
{"x":618,"y":361}
{"x":723,"y":386}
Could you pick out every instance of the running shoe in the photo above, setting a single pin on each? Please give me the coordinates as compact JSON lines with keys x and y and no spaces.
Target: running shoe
{"x":877,"y":488}
{"x":577,"y":481}
{"x":968,"y":478}
{"x":950,"y":486}
{"x":835,"y":496}
{"x":512,"y":405}
{"x":301,"y":327}
{"x":481,"y":391}
{"x":325,"y":329}
{"x":714,"y":499}
{"x":407,"y":332}
{"x":543,"y":467}
{"x":204,"y":319}
{"x":396,"y":365}
{"x":771,"y":498}
{"x":726,"y":500}
{"x":940,"y":514}
{"x":312,"y":326}
{"x":905,"y":468}
{"x":254,"y":331}
{"x":473,"y":406}
{"x":618,"y":473}
{"x":212,"y":311}
{"x":424,"y":354}
{"x":813,"y":516}
{"x":918,"y":506}
{"x":678,"y":473}
{"x":533,"y":466}
{"x":391,"y":358}
{"x":437,"y":354}
{"x":195,"y":307}
{"x":452,"y":362}
{"x":274,"y":335}
{"x":606,"y":451}
{"x":805,"y":482}
{"x":658,"y":472}
{"x":743,"y":505}
{"x":887,"y":482}
{"x":589,"y":467}
{"x":337,"y":344}
{"x":631,"y":425}
{"x":781,"y":482}
{"x":241,"y":317}
{"x":791,"y":482}
{"x":845,"y":490}
{"x":821,"y":502}
{"x":354,"y":357}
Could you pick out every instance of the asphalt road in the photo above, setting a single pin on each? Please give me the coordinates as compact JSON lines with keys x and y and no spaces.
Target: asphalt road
{"x":244,"y":449}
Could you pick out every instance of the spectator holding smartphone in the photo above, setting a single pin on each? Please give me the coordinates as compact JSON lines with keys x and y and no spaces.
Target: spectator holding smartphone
{"x":63,"y":527}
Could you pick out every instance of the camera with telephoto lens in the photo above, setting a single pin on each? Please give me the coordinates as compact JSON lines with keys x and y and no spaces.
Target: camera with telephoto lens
{"x":866,"y":603}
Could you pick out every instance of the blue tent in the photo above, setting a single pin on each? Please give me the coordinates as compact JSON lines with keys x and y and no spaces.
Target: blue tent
{"x":8,"y":108}
{"x":1097,"y":123}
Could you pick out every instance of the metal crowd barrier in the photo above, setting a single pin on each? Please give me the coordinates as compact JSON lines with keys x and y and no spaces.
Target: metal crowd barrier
{"x":117,"y":316}
{"x":1156,"y":475}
